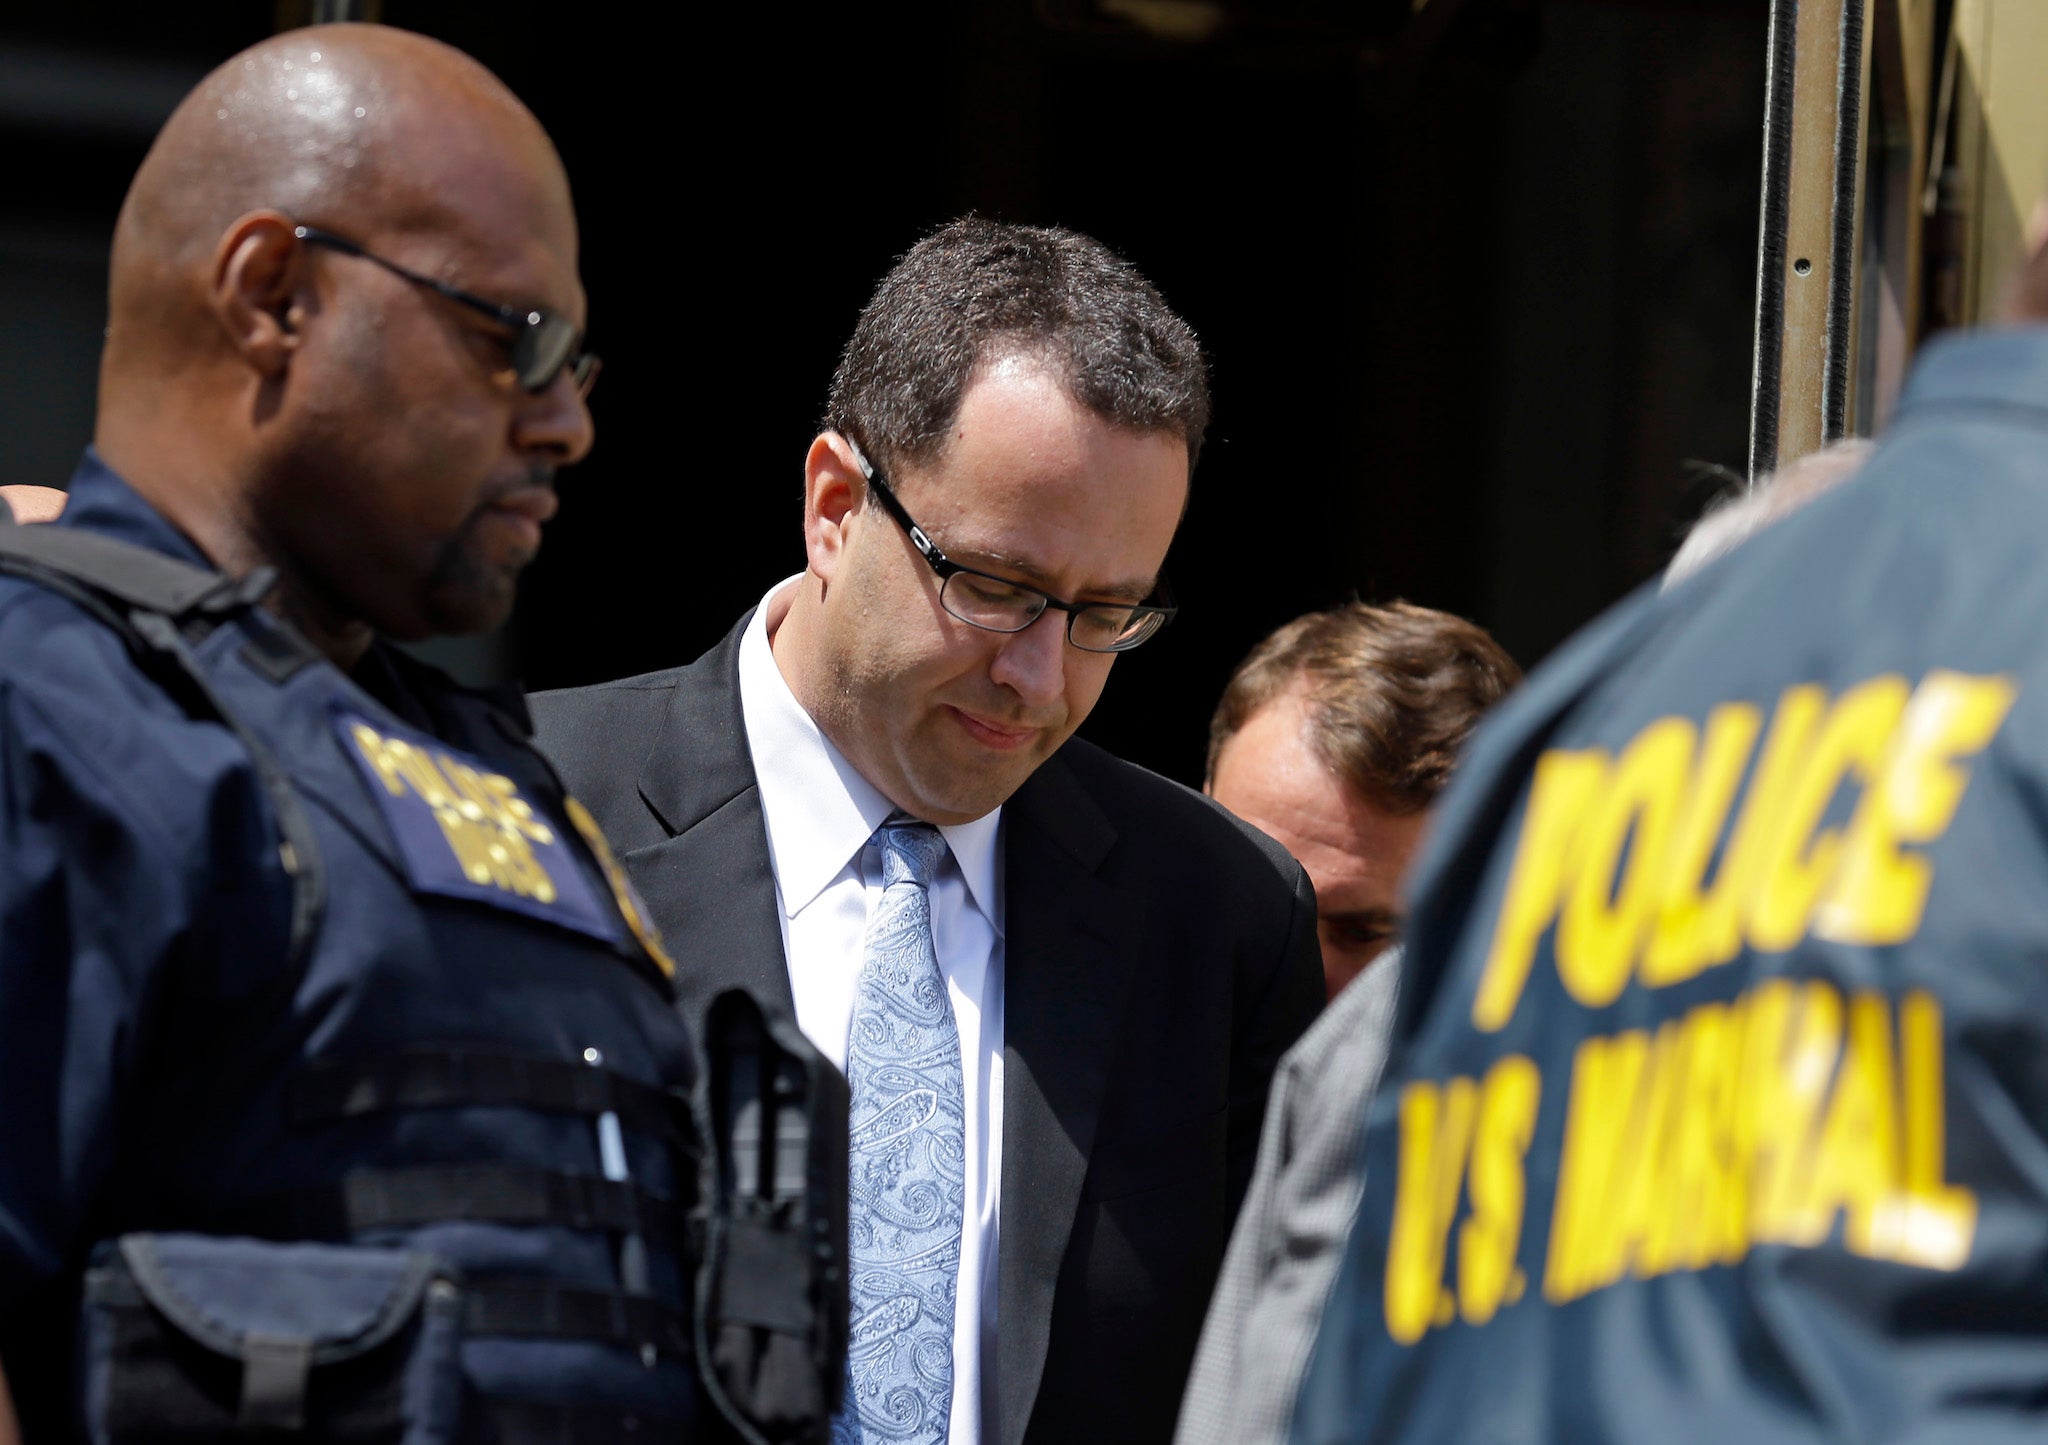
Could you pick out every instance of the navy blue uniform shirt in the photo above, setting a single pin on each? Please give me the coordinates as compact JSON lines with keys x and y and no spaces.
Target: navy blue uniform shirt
{"x":152,"y":1037}
{"x":1718,"y":1109}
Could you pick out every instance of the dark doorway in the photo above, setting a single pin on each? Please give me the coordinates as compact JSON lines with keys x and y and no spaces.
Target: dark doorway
{"x":1478,"y":299}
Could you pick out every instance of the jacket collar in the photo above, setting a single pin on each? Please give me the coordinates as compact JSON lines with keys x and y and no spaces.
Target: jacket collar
{"x":1994,"y":365}
{"x":710,"y":884}
{"x":699,"y":762}
{"x":102,"y":501}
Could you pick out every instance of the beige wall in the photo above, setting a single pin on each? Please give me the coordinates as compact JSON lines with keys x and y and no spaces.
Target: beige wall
{"x":2001,"y":134}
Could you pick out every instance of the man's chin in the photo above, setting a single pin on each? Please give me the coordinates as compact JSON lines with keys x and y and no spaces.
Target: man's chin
{"x":967,"y":795}
{"x":480,"y":603}
{"x":467,"y":594}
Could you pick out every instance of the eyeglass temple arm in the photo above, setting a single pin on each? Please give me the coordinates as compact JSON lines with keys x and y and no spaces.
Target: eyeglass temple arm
{"x":918,"y":536}
{"x":510,"y":316}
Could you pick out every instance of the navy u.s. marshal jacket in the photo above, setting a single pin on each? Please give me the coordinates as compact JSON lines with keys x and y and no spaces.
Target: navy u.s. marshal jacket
{"x":1718,"y":1109}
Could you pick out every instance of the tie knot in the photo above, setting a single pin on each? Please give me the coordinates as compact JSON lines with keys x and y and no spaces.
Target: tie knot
{"x":910,"y":852}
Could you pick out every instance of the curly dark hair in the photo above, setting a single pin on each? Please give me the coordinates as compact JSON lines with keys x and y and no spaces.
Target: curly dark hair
{"x":975,"y":291}
{"x":1393,"y":694}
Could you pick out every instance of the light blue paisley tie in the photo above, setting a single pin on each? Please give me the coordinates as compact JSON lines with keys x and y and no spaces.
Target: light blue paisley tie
{"x":907,"y":1164}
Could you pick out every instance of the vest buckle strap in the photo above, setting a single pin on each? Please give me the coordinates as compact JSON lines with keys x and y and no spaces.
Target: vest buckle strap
{"x":371,"y":1199}
{"x":451,"y":1078}
{"x":532,"y":1309}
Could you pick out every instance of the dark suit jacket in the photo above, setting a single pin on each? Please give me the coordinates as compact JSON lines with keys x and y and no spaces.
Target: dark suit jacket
{"x":1159,"y":959}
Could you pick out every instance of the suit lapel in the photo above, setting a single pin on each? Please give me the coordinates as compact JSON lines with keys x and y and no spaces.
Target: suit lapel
{"x":710,"y":885}
{"x":1068,"y":955}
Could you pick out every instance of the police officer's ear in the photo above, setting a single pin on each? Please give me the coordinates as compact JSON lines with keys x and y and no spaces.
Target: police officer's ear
{"x":833,"y":490}
{"x":257,"y":289}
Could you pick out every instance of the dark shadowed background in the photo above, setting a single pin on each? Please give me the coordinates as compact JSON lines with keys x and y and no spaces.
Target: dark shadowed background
{"x":1477,"y":278}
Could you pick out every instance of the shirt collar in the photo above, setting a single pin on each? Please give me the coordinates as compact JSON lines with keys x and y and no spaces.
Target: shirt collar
{"x":100,"y":500}
{"x":820,"y":811}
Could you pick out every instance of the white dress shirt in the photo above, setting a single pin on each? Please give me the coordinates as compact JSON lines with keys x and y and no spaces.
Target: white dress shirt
{"x":821,"y":815}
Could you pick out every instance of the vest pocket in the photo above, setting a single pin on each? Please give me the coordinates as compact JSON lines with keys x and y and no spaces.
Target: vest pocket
{"x":192,"y":1337}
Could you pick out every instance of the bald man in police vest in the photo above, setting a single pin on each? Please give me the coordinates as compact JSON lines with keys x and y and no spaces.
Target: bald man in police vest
{"x":342,"y":1073}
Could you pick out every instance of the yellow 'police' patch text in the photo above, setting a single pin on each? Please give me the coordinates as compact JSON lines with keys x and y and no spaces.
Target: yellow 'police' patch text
{"x":487,"y":824}
{"x":1617,"y":851}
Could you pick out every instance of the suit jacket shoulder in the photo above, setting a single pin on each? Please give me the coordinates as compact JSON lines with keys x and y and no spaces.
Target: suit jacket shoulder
{"x":599,"y":737}
{"x":652,"y":756}
{"x":1170,"y":824}
{"x":661,"y":761}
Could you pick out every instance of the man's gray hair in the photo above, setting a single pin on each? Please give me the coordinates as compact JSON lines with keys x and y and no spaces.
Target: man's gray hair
{"x":1734,"y":520}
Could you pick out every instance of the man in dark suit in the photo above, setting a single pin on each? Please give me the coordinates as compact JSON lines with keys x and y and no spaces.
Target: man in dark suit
{"x":1038,"y":1212}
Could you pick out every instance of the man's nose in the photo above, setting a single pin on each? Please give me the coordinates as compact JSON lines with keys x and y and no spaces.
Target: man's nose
{"x":555,"y":421}
{"x":1033,"y":663}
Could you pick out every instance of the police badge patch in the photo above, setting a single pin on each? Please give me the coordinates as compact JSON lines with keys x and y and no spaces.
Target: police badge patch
{"x":464,"y":830}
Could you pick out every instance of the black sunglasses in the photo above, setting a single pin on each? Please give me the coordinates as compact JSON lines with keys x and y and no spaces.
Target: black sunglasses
{"x":543,"y":344}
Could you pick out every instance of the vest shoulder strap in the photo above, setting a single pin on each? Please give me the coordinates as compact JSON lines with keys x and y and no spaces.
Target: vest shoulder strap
{"x":157,"y":604}
{"x":133,"y":576}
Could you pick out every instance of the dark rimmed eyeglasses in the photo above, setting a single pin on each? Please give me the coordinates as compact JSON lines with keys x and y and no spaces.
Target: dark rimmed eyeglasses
{"x":996,"y":604}
{"x":543,"y":343}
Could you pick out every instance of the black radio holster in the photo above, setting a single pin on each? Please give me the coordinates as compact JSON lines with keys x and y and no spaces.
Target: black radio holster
{"x":772,"y":1288}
